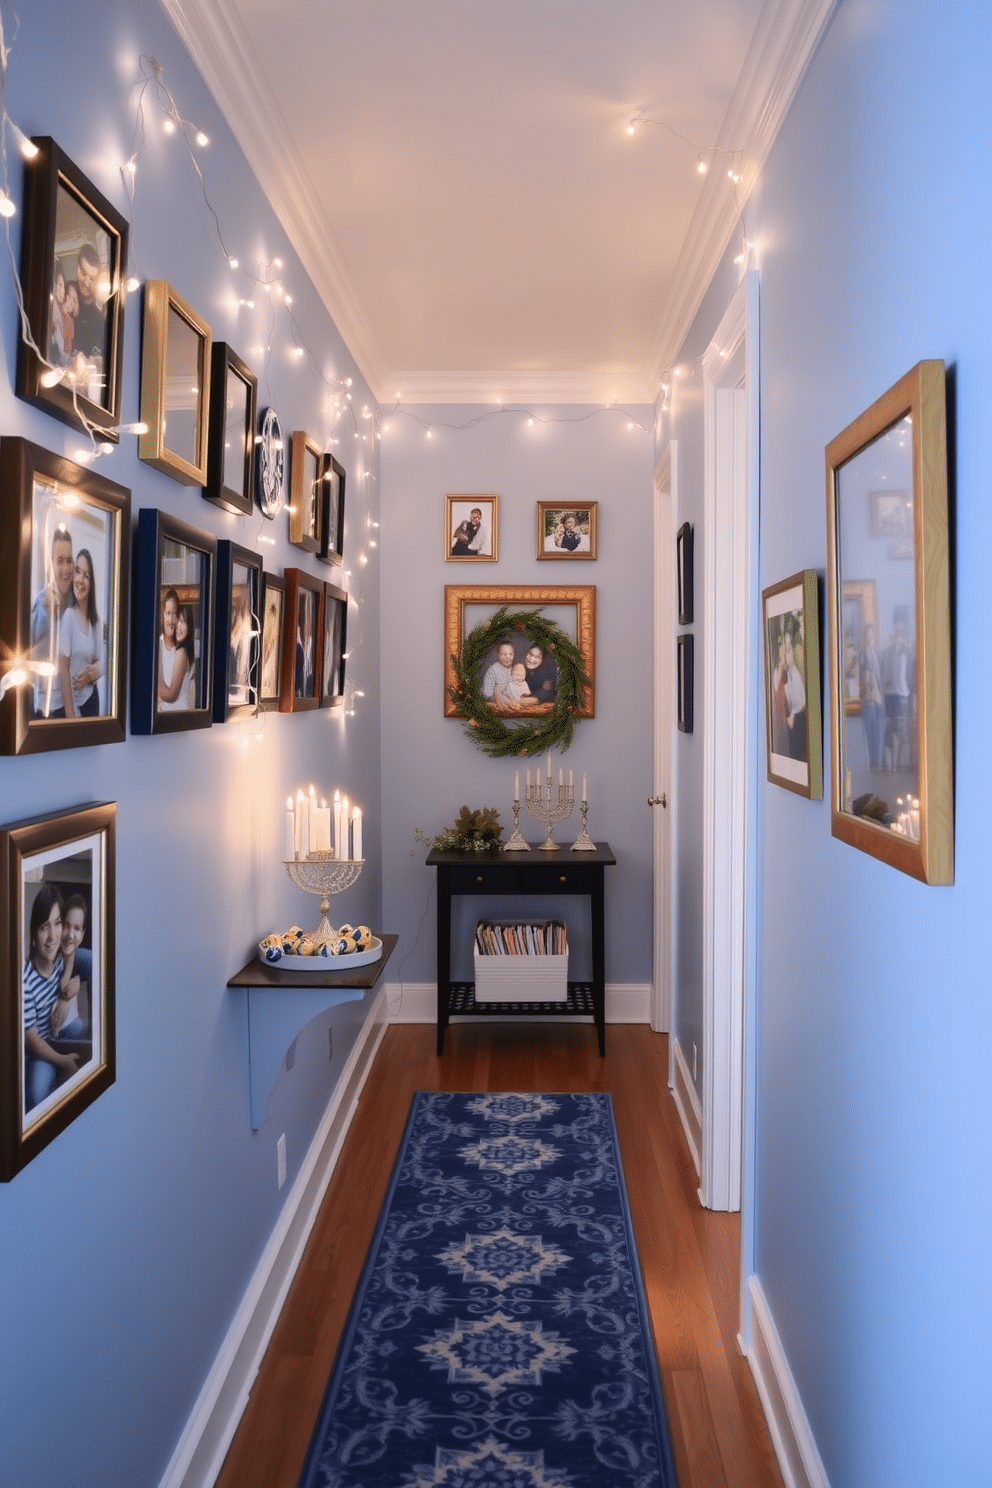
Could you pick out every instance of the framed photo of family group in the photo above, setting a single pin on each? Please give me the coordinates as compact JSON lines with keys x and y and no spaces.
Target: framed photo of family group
{"x":172,"y":663}
{"x":532,"y":683}
{"x":64,"y":603}
{"x":565,"y":532}
{"x":57,"y":950}
{"x":74,"y":281}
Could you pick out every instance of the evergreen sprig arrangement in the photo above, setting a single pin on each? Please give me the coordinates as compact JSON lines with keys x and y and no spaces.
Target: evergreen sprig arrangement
{"x":523,"y":736}
{"x":473,"y":831}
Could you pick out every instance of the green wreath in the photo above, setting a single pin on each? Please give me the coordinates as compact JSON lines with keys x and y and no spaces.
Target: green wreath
{"x":490,"y":730}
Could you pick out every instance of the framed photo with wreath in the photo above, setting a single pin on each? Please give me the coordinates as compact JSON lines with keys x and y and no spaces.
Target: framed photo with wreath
{"x":172,"y":661}
{"x":791,"y":625}
{"x":66,"y":534}
{"x":273,"y":620}
{"x":471,"y":529}
{"x":74,"y":278}
{"x":566,"y":531}
{"x":57,"y":879}
{"x":175,"y":386}
{"x":520,"y":663}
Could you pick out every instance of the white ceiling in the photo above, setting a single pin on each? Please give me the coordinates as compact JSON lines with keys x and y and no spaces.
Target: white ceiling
{"x":459,"y":182}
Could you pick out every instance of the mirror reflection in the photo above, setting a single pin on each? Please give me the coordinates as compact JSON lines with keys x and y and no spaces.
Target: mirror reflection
{"x":876,"y":592}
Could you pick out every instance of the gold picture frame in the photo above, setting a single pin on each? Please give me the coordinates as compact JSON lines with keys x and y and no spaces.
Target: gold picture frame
{"x":892,"y":788}
{"x":306,"y":469}
{"x":567,"y":531}
{"x":467,"y":605}
{"x":176,"y":348}
{"x":471,"y":528}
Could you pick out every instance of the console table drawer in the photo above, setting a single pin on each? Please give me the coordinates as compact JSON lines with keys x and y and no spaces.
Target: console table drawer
{"x":563,"y":878}
{"x":484,"y":878}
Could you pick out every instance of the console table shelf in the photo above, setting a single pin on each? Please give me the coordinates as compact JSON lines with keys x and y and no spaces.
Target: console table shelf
{"x":530,"y":872}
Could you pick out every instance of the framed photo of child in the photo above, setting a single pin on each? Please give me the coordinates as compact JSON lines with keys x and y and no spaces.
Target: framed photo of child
{"x":57,"y":946}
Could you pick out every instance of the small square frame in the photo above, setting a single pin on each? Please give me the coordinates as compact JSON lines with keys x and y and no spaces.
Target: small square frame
{"x":177,"y":564}
{"x":684,"y":681}
{"x":301,"y":675}
{"x":334,"y":646}
{"x":273,"y":616}
{"x":43,"y":495}
{"x":237,"y":653}
{"x":61,"y":854}
{"x":683,"y":572}
{"x":65,"y":214}
{"x":458,"y":528}
{"x":791,"y":628}
{"x":231,"y":431}
{"x":556,"y":540}
{"x":175,"y":382}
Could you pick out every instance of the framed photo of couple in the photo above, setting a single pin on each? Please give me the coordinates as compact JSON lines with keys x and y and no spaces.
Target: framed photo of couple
{"x":74,"y":281}
{"x":64,"y":605}
{"x":57,"y":939}
{"x":471,"y":529}
{"x":172,"y":664}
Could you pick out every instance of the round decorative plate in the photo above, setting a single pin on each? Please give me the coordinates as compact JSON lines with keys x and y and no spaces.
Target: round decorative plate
{"x":271,"y":464}
{"x":353,"y":960}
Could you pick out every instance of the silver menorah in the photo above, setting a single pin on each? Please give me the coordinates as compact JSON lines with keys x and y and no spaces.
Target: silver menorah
{"x":545,"y":806}
{"x":324,"y":874}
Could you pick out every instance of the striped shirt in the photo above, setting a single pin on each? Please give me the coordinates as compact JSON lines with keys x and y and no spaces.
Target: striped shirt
{"x":40,"y":996}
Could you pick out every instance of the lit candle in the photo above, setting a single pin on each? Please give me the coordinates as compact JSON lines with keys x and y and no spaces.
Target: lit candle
{"x":584,"y":796}
{"x":322,"y":828}
{"x":528,"y":785}
{"x":561,"y":777}
{"x":337,"y":824}
{"x":516,"y":786}
{"x":290,"y":829}
{"x":549,"y":764}
{"x":569,"y":782}
{"x":356,"y":833}
{"x":312,"y":819}
{"x":302,"y":825}
{"x":345,"y":826}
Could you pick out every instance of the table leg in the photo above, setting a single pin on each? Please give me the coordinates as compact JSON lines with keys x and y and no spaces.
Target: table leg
{"x":443,"y":954}
{"x":597,"y":915}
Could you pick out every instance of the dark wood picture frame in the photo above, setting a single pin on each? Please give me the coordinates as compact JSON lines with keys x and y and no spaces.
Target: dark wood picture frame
{"x":65,"y":216}
{"x":306,"y":470}
{"x":273,"y":616}
{"x":175,"y":578}
{"x":231,"y":431}
{"x":48,"y":862}
{"x":301,"y":672}
{"x":683,"y":572}
{"x":237,"y":631}
{"x":684,"y":681}
{"x":175,"y":364}
{"x":334,"y":646}
{"x":332,"y":486}
{"x":790,"y":615}
{"x":45,"y":495}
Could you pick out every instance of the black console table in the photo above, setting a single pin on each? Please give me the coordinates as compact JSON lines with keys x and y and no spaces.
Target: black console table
{"x":530,"y":872}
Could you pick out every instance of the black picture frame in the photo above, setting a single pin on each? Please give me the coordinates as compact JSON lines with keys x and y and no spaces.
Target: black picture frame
{"x":332,"y":511}
{"x":303,"y":634}
{"x":683,"y":682}
{"x":237,"y":631}
{"x":683,"y":572}
{"x":66,"y":218}
{"x":273,"y":625}
{"x":334,"y":646}
{"x":62,"y":867}
{"x":174,"y":580}
{"x":46,"y":495}
{"x":231,"y":432}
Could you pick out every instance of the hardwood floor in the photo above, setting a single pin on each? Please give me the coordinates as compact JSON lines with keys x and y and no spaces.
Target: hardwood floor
{"x":689,"y":1256}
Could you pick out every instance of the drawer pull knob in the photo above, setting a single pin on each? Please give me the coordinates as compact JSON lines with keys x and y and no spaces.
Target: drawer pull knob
{"x":479,"y":878}
{"x":563,"y":878}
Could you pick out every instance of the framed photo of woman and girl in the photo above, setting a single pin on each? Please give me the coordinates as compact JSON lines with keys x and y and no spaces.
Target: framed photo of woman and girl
{"x":172,"y":664}
{"x":57,"y":891}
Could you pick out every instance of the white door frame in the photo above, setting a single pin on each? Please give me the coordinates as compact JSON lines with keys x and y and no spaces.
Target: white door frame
{"x":663,"y":824}
{"x":730,"y":679}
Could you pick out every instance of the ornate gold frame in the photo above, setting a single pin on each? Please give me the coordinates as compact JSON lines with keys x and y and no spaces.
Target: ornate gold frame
{"x":457,"y":598}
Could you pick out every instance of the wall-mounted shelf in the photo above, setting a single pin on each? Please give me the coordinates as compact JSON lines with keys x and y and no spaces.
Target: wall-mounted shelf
{"x":280,"y":1004}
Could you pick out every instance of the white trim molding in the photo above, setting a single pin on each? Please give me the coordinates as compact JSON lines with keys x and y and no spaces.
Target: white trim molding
{"x":200,"y":1451}
{"x":792,"y":1437}
{"x":687,"y":1104}
{"x":513,"y":387}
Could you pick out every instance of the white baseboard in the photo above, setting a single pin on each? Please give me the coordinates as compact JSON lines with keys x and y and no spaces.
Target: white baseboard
{"x":687,"y":1105}
{"x":208,"y":1433}
{"x":795,"y":1447}
{"x":416,"y":1002}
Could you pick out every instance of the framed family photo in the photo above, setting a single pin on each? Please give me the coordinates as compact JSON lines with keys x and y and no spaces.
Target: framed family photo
{"x":172,"y":661}
{"x":303,"y":634}
{"x":57,"y":941}
{"x":471,"y":529}
{"x":237,"y":652}
{"x":566,"y":531}
{"x":892,"y":767}
{"x":231,"y":431}
{"x":791,"y":628}
{"x":334,"y":645}
{"x":331,"y":487}
{"x":273,"y":620}
{"x":74,"y":280}
{"x":175,"y":386}
{"x":530,"y":685}
{"x":64,"y":605}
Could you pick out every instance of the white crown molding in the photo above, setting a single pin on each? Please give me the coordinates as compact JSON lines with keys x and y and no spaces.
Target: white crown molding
{"x":516,"y":387}
{"x":214,"y":35}
{"x":785,"y":40}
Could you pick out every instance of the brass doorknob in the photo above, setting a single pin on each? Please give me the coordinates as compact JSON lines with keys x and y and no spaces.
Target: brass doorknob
{"x":661,"y":800}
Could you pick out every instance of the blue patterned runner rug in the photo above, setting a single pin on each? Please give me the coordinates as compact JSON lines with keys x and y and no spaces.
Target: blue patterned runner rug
{"x":499,"y":1336}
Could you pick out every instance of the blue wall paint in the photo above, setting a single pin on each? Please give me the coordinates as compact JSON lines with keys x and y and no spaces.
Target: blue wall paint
{"x":429,"y":767}
{"x":125,"y":1247}
{"x":872,"y":1215}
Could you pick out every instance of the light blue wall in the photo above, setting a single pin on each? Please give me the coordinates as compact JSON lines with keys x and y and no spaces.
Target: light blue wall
{"x":125,"y":1247}
{"x":871,"y":227}
{"x":429,"y":767}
